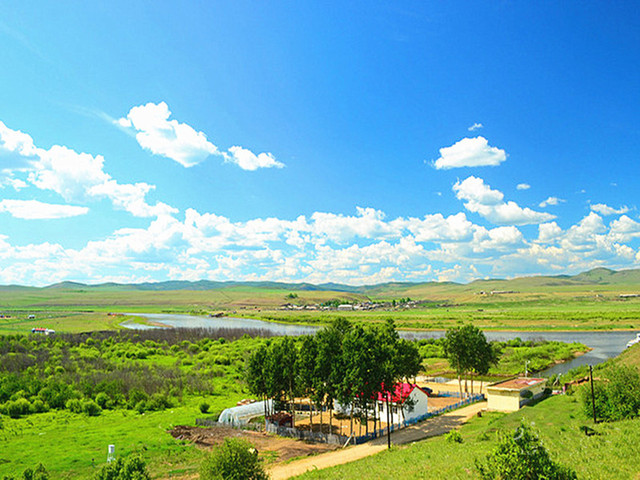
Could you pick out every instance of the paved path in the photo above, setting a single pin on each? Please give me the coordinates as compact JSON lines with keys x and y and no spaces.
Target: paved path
{"x":429,"y":428}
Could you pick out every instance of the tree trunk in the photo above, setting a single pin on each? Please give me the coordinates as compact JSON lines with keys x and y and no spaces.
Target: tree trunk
{"x":330,"y":420}
{"x":460,"y":385}
{"x":310,"y":415}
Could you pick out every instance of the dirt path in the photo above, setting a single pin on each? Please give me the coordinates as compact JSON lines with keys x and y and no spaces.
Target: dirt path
{"x":429,"y":428}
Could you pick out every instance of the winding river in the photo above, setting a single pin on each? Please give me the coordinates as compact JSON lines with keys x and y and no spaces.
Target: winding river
{"x":604,"y":344}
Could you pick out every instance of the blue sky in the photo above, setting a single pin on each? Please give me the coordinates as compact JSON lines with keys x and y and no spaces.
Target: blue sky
{"x":317,"y":141}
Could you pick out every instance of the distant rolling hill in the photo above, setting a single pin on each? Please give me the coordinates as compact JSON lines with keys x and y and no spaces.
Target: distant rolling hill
{"x":598,"y":276}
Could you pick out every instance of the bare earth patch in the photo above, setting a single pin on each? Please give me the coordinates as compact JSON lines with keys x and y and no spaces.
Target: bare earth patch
{"x":268,"y":445}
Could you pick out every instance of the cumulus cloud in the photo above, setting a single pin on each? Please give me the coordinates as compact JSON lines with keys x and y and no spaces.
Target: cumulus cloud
{"x":180,"y":142}
{"x":523,"y":186}
{"x":72,"y":175}
{"x":475,"y":126}
{"x":489,"y":203}
{"x":168,"y":138}
{"x":604,"y":209}
{"x":247,"y":160}
{"x":35,"y":210}
{"x":551,"y":201}
{"x":470,"y":152}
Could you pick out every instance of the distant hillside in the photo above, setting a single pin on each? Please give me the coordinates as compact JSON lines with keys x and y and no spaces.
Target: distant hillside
{"x":597,"y":276}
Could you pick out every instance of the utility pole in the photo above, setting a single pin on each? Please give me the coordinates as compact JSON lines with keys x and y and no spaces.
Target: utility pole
{"x":593,"y":395}
{"x":388,"y":424}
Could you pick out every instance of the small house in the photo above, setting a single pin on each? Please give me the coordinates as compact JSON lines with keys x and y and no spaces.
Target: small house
{"x":512,"y":394}
{"x":407,"y":401}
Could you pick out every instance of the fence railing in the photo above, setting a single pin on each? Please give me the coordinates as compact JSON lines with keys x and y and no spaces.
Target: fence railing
{"x":335,"y":439}
{"x":421,"y":418}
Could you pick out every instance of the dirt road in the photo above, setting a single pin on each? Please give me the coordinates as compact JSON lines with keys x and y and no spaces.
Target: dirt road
{"x":429,"y":428}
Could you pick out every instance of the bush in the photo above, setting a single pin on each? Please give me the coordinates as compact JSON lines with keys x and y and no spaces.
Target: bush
{"x":91,"y":408}
{"x":521,"y":456}
{"x":616,"y":399}
{"x":204,"y":407}
{"x":39,"y":473}
{"x":454,"y":436}
{"x":133,"y":468}
{"x":103,"y":400}
{"x":74,"y":405}
{"x":17,"y":408}
{"x":233,"y":460}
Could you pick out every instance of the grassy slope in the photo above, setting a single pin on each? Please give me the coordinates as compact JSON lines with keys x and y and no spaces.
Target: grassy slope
{"x":608,"y":455}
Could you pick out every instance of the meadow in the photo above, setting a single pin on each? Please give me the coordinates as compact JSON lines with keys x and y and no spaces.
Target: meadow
{"x":532,"y":304}
{"x":560,"y":421}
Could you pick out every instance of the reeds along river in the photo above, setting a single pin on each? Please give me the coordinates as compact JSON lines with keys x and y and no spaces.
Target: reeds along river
{"x":604,"y":344}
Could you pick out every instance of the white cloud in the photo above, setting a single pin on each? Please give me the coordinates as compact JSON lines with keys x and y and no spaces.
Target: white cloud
{"x":72,"y":175}
{"x":551,"y":201}
{"x":482,"y":199}
{"x":604,"y":209}
{"x":182,"y":143}
{"x":168,"y":138}
{"x":475,"y":126}
{"x":33,"y":209}
{"x":523,"y":186}
{"x":247,"y":160}
{"x":470,"y":152}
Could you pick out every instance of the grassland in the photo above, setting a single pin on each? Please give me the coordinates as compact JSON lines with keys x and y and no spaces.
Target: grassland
{"x":591,"y":307}
{"x":607,"y":455}
{"x":559,"y":420}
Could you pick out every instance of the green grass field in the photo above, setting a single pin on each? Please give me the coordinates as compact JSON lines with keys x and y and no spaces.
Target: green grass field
{"x":74,"y":445}
{"x":608,"y":455}
{"x":532,"y":307}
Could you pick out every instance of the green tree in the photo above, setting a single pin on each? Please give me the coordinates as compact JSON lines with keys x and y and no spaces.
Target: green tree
{"x":468,"y":351}
{"x":233,"y":460}
{"x":521,"y":456}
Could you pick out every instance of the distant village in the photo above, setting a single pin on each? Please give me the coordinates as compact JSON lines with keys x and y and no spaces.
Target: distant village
{"x":335,"y":305}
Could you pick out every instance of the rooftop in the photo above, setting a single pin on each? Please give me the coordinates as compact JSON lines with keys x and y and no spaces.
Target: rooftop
{"x":518,"y":383}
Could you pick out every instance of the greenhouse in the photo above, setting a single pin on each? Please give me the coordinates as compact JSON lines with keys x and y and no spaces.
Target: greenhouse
{"x":242,"y":414}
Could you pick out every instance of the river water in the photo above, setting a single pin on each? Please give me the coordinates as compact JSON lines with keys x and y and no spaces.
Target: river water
{"x":604,"y":344}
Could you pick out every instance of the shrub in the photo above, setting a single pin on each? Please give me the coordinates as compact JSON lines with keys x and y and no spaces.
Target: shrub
{"x":616,"y":399}
{"x":17,"y":408}
{"x":74,"y":405}
{"x":133,"y":468}
{"x":233,"y":460}
{"x":204,"y":407}
{"x":454,"y":436}
{"x":39,"y":473}
{"x":521,"y":456}
{"x":103,"y":400}
{"x":91,"y":408}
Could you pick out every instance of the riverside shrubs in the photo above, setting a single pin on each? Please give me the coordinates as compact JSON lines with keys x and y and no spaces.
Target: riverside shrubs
{"x":142,"y":371}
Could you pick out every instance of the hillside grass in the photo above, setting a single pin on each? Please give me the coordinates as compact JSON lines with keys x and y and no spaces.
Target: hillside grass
{"x":608,"y":455}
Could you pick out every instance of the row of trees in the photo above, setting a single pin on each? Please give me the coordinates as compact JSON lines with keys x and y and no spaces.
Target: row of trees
{"x":347,"y":363}
{"x":469,"y":352}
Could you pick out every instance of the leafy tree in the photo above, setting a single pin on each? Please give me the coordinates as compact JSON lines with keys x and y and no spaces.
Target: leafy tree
{"x":233,"y":460}
{"x":467,"y":350}
{"x":521,"y":456}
